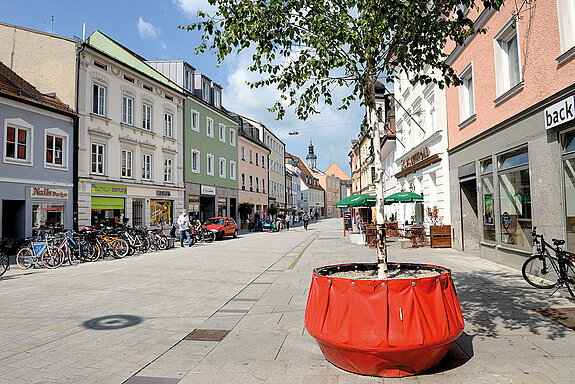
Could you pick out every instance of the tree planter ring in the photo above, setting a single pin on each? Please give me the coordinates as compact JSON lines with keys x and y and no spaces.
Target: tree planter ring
{"x":392,"y":328}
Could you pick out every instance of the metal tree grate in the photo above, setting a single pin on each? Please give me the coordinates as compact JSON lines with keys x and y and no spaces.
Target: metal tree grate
{"x":564,"y":316}
{"x":207,"y":335}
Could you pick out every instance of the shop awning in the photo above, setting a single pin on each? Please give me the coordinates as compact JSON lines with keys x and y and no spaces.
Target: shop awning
{"x":359,"y":200}
{"x":107,"y":203}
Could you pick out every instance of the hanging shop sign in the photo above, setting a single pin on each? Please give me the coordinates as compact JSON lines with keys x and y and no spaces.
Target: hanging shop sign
{"x":208,"y":190}
{"x":109,"y":189}
{"x":163,"y":193}
{"x":560,"y":112}
{"x":49,"y":193}
{"x":418,"y":156}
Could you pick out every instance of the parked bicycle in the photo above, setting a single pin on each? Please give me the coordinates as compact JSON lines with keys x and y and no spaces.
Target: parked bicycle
{"x":203,"y":234}
{"x":545,"y":270}
{"x":5,"y":248}
{"x":35,"y":252}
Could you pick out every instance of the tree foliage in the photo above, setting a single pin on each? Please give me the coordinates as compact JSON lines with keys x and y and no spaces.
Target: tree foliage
{"x":307,"y":48}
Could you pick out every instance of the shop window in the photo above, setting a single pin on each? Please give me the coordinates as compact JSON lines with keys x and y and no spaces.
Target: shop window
{"x":160,"y":213}
{"x":127,"y":110}
{"x":98,"y":158}
{"x":194,"y":206}
{"x":167,"y":170}
{"x":146,"y":166}
{"x":146,"y":117}
{"x":47,"y":215}
{"x":487,"y":200}
{"x":127,"y":163}
{"x":515,"y":199}
{"x":569,"y":182}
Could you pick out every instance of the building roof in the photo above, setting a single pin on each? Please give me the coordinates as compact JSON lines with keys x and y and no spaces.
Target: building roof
{"x":112,"y":48}
{"x":15,"y":87}
{"x":335,"y":170}
{"x":305,"y":171}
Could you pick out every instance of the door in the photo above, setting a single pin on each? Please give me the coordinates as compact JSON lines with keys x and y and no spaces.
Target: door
{"x":469,"y":216}
{"x":137,"y":212}
{"x":14,"y":219}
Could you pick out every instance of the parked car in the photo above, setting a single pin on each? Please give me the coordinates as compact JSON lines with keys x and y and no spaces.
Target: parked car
{"x":222,"y":226}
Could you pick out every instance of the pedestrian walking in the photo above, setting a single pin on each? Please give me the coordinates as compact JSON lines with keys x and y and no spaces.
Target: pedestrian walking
{"x":184,"y":224}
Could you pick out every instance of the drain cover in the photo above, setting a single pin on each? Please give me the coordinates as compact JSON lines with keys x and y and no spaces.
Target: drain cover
{"x":207,"y":335}
{"x":564,"y":316}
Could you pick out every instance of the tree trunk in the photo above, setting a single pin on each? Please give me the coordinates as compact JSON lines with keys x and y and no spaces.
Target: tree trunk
{"x":379,"y":207}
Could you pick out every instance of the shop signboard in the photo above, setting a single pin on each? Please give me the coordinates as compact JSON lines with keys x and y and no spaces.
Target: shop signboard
{"x":49,"y":193}
{"x":163,"y":193}
{"x":560,"y":112}
{"x":208,"y":190}
{"x":347,"y":224}
{"x":109,"y":189}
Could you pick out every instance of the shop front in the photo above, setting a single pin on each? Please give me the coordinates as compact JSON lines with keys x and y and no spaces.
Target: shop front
{"x":521,"y":174}
{"x":205,"y":201}
{"x":107,"y":204}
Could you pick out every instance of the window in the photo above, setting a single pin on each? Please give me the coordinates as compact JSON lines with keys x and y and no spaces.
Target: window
{"x":167,"y":170}
{"x":243,"y":181}
{"x":55,"y":150}
{"x":128,"y":78}
{"x":168,"y":125}
{"x":209,"y":127}
{"x":217,"y":98}
{"x":251,"y":183}
{"x":146,"y":166}
{"x":210,"y":159}
{"x":251,"y":156}
{"x":195,"y":161}
{"x":257,"y":184}
{"x":222,"y":167}
{"x":507,"y":67}
{"x":566,"y":12}
{"x":18,"y":144}
{"x":146,"y":117}
{"x":147,"y":87}
{"x":487,"y":200}
{"x":127,"y":163}
{"x":263,"y":185}
{"x":195,"y":121}
{"x":99,"y":100}
{"x":232,"y":170}
{"x":205,"y":91}
{"x":100,"y":65}
{"x":127,"y":110}
{"x":222,"y":133}
{"x":257,"y":159}
{"x":466,"y":98}
{"x":189,"y":81}
{"x":431,"y":125}
{"x":263,"y":161}
{"x":232,"y":137}
{"x":515,"y":198}
{"x":243,"y":153}
{"x":98,"y":153}
{"x":569,"y":182}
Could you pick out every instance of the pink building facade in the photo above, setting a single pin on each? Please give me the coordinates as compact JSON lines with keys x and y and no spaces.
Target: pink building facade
{"x":252,"y":171}
{"x":511,"y":129}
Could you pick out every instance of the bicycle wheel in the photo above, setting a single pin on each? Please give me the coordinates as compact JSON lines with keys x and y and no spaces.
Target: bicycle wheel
{"x":53,"y":257}
{"x":25,"y":258}
{"x":209,"y":236}
{"x":120,"y":248}
{"x":540,"y":272}
{"x":4,"y":263}
{"x":570,"y":278}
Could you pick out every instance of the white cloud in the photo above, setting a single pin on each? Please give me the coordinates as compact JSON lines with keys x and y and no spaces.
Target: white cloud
{"x":147,"y":30}
{"x":191,"y":7}
{"x":331,"y":130}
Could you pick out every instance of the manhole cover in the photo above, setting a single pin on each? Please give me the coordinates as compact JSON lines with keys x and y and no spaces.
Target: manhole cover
{"x":207,"y":335}
{"x":564,"y":316}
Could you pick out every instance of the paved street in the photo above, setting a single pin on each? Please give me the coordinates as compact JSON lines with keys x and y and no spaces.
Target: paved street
{"x":126,"y":320}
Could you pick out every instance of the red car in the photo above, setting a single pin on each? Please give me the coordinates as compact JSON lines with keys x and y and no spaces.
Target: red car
{"x":222,"y":226}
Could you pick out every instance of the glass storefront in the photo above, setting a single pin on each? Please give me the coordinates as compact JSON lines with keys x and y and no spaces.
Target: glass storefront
{"x":569,"y":182}
{"x":47,"y":215}
{"x":487,"y":193}
{"x":194,"y":206}
{"x":107,"y":211}
{"x":160,"y":213}
{"x":222,"y":207}
{"x":515,"y":199}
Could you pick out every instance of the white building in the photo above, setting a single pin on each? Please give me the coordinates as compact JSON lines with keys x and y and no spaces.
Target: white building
{"x":421,"y":149}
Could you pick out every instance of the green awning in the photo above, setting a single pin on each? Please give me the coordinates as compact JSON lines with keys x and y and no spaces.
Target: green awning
{"x":402,"y":197}
{"x":358,"y":200}
{"x":107,"y":203}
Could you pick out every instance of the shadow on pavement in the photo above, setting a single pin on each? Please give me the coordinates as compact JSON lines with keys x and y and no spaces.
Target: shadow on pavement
{"x":107,"y":323}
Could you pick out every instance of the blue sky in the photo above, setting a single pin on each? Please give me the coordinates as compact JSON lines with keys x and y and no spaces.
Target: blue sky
{"x":149,"y":28}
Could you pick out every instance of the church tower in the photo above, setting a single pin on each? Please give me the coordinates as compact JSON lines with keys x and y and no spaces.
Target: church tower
{"x":311,"y":158}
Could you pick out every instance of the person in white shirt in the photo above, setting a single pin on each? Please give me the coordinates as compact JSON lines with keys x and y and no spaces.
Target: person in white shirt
{"x":184,"y":224}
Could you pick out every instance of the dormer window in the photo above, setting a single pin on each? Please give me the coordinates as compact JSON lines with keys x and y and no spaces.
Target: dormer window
{"x":189,"y":81}
{"x":217,"y":98}
{"x":206,"y":91}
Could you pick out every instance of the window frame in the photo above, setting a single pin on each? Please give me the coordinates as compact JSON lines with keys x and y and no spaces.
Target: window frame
{"x":232,"y":170}
{"x":222,"y":132}
{"x":19,"y":124}
{"x":198,"y":158}
{"x":97,"y":108}
{"x":168,"y":128}
{"x":195,"y":127}
{"x":125,"y":109}
{"x":147,"y":174}
{"x":466,"y":94}
{"x":209,"y":124}
{"x":103,"y":161}
{"x":168,"y":171}
{"x":222,"y":169}
{"x":243,"y":153}
{"x":209,"y":157}
{"x":501,"y":40}
{"x":232,"y":137}
{"x":147,"y":117}
{"x":243,"y":181}
{"x":122,"y":167}
{"x":566,"y":20}
{"x":56,"y":133}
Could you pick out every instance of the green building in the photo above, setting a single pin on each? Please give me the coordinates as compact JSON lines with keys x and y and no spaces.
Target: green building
{"x":210,"y":143}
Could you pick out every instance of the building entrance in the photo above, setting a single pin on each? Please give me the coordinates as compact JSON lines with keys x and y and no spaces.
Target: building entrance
{"x":14,"y":219}
{"x":469,"y":216}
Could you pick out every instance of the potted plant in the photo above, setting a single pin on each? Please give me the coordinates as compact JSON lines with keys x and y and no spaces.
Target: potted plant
{"x":439,"y":234}
{"x":245,"y":209}
{"x":384,"y":319}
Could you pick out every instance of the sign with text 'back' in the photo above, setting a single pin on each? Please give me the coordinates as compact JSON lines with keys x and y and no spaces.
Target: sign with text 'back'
{"x":560,"y":112}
